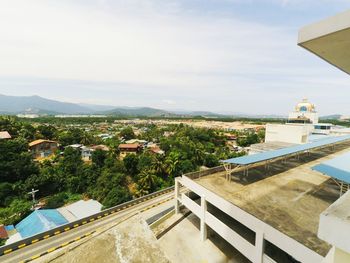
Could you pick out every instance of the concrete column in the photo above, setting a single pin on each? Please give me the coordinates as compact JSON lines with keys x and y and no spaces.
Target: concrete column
{"x":203,"y":226}
{"x":260,"y":246}
{"x":177,"y":196}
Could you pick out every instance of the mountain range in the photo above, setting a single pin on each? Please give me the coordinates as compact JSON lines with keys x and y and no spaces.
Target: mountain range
{"x":42,"y":106}
{"x":38,"y":105}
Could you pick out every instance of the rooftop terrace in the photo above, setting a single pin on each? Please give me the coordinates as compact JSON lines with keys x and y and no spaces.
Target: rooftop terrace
{"x":290,"y":196}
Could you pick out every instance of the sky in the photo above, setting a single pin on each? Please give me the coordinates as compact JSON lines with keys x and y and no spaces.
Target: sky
{"x":215,"y":55}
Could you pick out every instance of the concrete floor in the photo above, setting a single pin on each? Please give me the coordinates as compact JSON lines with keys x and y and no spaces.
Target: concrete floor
{"x":289,"y":197}
{"x":182,"y":245}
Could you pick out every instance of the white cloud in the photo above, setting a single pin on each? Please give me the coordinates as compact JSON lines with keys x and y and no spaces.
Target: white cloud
{"x":157,"y":49}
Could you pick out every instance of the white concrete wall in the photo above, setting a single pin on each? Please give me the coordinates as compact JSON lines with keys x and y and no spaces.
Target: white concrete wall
{"x":287,"y":133}
{"x":263,"y":231}
{"x":334,"y":225}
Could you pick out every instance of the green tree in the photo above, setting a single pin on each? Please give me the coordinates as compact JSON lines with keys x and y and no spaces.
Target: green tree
{"x":17,"y":210}
{"x":172,"y":163}
{"x":6,"y":193}
{"x":70,"y":168}
{"x":98,"y":157}
{"x":130,"y":162}
{"x":47,"y":132}
{"x":116,"y":196}
{"x":16,"y":162}
{"x":147,"y":182}
{"x":127,"y":133}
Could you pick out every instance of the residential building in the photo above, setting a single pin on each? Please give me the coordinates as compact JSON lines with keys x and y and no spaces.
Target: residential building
{"x":86,"y":152}
{"x":43,"y":148}
{"x":129,"y":148}
{"x":100,"y":147}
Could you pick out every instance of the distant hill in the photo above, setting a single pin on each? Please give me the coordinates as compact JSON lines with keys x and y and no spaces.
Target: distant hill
{"x":39,"y":105}
{"x":94,"y":107}
{"x":331,"y":117}
{"x":43,"y":106}
{"x":144,"y":111}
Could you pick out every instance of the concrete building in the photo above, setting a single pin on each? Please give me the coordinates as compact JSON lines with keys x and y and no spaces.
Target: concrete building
{"x":304,"y":113}
{"x":287,"y":133}
{"x":272,"y":214}
{"x":302,"y":126}
{"x":329,"y":39}
{"x":86,"y":152}
{"x":284,"y":210}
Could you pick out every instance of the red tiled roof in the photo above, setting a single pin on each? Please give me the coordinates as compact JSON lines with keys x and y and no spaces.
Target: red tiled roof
{"x":129,"y":146}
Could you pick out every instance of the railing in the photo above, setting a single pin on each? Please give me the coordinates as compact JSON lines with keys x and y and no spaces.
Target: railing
{"x":199,"y":174}
{"x":66,"y":227}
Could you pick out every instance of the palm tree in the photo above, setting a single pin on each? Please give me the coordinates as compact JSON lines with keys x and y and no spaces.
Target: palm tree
{"x":147,"y":182}
{"x":172,"y":162}
{"x":158,"y":164}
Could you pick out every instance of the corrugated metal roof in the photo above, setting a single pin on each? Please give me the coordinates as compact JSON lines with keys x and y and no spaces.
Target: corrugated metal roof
{"x":264,"y":156}
{"x":338,"y":167}
{"x":40,"y":221}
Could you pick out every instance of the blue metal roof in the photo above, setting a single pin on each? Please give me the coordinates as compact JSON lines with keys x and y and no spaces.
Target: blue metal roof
{"x":338,"y":168}
{"x":264,"y":156}
{"x":40,"y":221}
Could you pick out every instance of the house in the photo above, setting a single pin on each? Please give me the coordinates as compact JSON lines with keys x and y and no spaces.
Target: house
{"x":40,"y":221}
{"x":105,"y":136}
{"x":4,"y":135}
{"x":86,"y":152}
{"x":141,"y":142}
{"x":80,"y":209}
{"x":129,"y":148}
{"x":154,"y":148}
{"x":43,"y":148}
{"x":100,"y":147}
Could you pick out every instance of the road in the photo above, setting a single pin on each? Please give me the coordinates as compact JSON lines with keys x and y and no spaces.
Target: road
{"x":44,"y":245}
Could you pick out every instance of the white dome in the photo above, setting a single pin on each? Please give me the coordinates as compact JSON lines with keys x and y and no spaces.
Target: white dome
{"x":305,"y":106}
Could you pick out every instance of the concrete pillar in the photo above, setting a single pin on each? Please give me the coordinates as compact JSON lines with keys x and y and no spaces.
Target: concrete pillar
{"x":177,"y":196}
{"x":260,"y":246}
{"x":203,"y":226}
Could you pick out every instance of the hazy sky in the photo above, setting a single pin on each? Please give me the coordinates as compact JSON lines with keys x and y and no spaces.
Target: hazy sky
{"x":216,"y":55}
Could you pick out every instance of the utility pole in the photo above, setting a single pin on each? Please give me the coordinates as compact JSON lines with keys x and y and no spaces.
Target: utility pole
{"x":33,"y":196}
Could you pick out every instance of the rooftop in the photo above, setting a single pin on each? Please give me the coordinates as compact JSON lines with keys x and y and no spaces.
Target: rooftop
{"x":40,"y":221}
{"x":5,"y":135}
{"x":290,"y":196}
{"x":129,"y":146}
{"x":268,"y":146}
{"x":337,"y":168}
{"x":80,"y":209}
{"x":36,"y":142}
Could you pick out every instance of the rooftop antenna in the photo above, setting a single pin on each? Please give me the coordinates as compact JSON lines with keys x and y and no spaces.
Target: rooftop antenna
{"x":33,"y":196}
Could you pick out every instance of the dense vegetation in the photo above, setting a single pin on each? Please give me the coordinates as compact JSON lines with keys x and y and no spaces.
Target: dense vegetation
{"x":66,"y":177}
